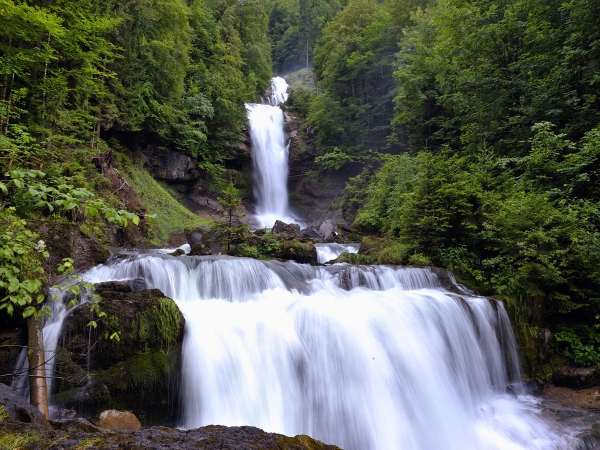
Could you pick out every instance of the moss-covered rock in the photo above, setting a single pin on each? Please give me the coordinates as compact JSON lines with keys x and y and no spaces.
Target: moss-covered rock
{"x":67,"y":240}
{"x":302,"y":252}
{"x":131,"y":359}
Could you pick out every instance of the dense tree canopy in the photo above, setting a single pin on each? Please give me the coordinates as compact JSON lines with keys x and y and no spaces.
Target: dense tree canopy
{"x":71,"y":72}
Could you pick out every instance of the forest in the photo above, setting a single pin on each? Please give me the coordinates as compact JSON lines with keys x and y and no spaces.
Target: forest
{"x":476,"y":125}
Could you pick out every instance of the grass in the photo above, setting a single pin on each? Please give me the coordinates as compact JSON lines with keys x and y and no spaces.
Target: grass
{"x":14,"y":441}
{"x":303,"y":79}
{"x":171,"y":216}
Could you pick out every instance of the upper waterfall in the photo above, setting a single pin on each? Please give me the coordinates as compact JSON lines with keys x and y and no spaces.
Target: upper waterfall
{"x":278,"y":91}
{"x":270,"y":157}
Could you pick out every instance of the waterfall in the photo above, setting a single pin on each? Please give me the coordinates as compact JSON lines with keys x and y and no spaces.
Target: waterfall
{"x":363,"y":357}
{"x":329,"y":252}
{"x":51,"y":334}
{"x":270,"y":157}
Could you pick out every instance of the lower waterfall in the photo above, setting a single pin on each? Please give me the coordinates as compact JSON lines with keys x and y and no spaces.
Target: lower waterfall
{"x":363,"y":357}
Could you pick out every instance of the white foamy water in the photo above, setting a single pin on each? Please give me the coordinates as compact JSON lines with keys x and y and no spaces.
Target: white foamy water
{"x":51,"y":334}
{"x":329,"y":252}
{"x":360,"y":357}
{"x":278,"y":91}
{"x":270,"y":158}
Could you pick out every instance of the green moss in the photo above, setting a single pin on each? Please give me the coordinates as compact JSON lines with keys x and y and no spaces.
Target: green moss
{"x":395,"y":253}
{"x":246,"y":250}
{"x":148,"y":369}
{"x":171,"y":216}
{"x":298,"y":250}
{"x":303,"y":79}
{"x":418,"y":259}
{"x":158,"y":326}
{"x":355,"y":258}
{"x":88,"y":443}
{"x":14,"y":441}
{"x":3,"y":413}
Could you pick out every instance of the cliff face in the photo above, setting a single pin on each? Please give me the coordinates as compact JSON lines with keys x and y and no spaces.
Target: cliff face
{"x":314,"y":194}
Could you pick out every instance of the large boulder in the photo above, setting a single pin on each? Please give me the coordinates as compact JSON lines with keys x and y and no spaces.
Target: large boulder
{"x":576,"y":377}
{"x":204,"y":241}
{"x":129,"y":361}
{"x":286,"y":230}
{"x":112,"y":419}
{"x":327,"y":230}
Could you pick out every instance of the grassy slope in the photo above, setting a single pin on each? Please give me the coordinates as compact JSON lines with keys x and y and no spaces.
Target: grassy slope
{"x":171,"y":216}
{"x":303,"y":79}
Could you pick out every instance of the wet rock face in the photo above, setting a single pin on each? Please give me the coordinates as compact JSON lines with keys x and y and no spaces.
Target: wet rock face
{"x":17,"y":431}
{"x":13,"y":337}
{"x":65,"y":240}
{"x":576,"y":377}
{"x":168,"y":165}
{"x":136,"y":371}
{"x":16,"y":411}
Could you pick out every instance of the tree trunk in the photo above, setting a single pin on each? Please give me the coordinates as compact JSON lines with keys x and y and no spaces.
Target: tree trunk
{"x":38,"y":390}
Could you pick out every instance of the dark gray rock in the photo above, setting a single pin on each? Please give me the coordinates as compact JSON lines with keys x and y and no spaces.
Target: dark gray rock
{"x":327,"y":230}
{"x":310,"y":233}
{"x":21,"y":419}
{"x":287,"y":230}
{"x":576,"y":377}
{"x":204,"y":241}
{"x":139,"y":371}
{"x":196,"y":235}
{"x":65,"y":240}
{"x":168,"y":165}
{"x":19,"y":411}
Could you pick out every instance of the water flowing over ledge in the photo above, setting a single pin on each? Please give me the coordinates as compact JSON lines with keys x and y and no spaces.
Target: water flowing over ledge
{"x":364,"y":357}
{"x":329,"y":252}
{"x":270,"y":158}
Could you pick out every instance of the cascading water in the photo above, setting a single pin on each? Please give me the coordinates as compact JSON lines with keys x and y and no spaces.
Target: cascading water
{"x":270,"y":157}
{"x":51,"y":332}
{"x":361,"y":357}
{"x":329,"y":252}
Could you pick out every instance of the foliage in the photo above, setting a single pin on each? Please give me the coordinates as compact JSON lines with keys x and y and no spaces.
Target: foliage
{"x":21,"y":265}
{"x":233,"y":230}
{"x":168,"y":70}
{"x":473,"y":73}
{"x":522,"y":228}
{"x":581,"y":346}
{"x":295,"y":27}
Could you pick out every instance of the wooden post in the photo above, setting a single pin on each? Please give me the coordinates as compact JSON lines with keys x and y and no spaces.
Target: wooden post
{"x":38,"y":391}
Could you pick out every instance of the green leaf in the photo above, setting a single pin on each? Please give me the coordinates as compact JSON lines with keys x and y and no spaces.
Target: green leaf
{"x":32,"y":286}
{"x":28,"y":311}
{"x":92,"y":324}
